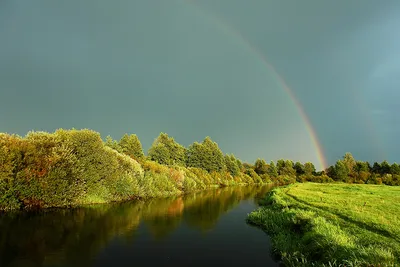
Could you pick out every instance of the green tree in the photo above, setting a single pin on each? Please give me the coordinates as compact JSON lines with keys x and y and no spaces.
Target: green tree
{"x":272,"y":170}
{"x":232,"y":165}
{"x":395,"y":169}
{"x":361,"y":166}
{"x":331,"y":172}
{"x":165,"y":150}
{"x":385,"y":167}
{"x":260,"y":167}
{"x":131,"y":146}
{"x":341,"y":171}
{"x":206,"y":155}
{"x":376,"y":168}
{"x":247,"y":166}
{"x":285,"y":167}
{"x":299,"y":168}
{"x":309,"y":169}
{"x":280,"y":165}
{"x":350,"y":163}
{"x":112,"y":143}
{"x":239,"y":164}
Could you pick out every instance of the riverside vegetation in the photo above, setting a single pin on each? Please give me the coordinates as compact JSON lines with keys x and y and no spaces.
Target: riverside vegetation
{"x":75,"y":167}
{"x":332,"y":224}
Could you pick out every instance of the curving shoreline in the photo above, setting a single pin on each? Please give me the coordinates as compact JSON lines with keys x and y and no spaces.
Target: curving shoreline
{"x":332,"y":224}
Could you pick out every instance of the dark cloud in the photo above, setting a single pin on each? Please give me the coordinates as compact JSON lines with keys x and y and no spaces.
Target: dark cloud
{"x":171,"y":66}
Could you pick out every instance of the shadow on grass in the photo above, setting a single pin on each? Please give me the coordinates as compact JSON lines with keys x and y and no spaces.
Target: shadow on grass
{"x":348,"y":219}
{"x":295,"y":244}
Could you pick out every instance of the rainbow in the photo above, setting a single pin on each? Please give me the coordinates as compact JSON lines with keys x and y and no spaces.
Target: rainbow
{"x":231,"y":31}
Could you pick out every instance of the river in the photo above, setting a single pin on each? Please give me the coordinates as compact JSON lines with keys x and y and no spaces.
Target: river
{"x":206,"y":228}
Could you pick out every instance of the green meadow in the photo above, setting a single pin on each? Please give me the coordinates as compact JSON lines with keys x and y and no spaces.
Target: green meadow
{"x":332,"y":224}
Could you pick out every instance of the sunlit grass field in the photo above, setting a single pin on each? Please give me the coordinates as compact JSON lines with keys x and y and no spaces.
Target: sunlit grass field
{"x":333,"y":224}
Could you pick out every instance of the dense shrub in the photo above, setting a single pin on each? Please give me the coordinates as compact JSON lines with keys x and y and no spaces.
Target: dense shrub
{"x":63,"y":168}
{"x":70,"y":167}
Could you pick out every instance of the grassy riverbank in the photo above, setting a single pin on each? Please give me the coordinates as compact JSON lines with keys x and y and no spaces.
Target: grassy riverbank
{"x":333,"y":224}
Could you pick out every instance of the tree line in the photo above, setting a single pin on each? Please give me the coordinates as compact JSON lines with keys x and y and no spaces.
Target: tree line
{"x":207,"y":155}
{"x":73,"y":167}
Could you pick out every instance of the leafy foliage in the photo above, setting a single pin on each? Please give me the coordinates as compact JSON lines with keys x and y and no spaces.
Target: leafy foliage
{"x":206,"y":155}
{"x":232,"y":165}
{"x":131,"y":146}
{"x":165,"y":150}
{"x":71,"y":167}
{"x":260,"y":167}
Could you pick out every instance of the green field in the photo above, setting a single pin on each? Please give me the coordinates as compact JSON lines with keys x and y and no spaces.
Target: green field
{"x":332,"y":224}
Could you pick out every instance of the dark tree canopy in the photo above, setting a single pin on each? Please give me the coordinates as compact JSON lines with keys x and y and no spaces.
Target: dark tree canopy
{"x":260,"y":167}
{"x":272,"y":170}
{"x":207,"y":156}
{"x":299,"y":168}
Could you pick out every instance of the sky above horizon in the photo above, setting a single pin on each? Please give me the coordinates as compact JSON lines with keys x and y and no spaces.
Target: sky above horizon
{"x":197,"y":68}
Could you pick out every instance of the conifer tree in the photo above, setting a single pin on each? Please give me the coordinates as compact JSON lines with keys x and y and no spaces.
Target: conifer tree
{"x":272,"y":170}
{"x":206,"y":155}
{"x":131,"y":146}
{"x":165,"y":150}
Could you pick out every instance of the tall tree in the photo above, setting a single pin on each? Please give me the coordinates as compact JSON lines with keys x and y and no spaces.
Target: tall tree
{"x":260,"y":167}
{"x":331,"y":172}
{"x":395,"y":168}
{"x":131,"y":146}
{"x":272,"y":170}
{"x":206,"y":155}
{"x":350,"y":163}
{"x":112,"y":143}
{"x":239,"y":164}
{"x":341,"y":171}
{"x":165,"y":150}
{"x":385,"y":167}
{"x":280,"y":165}
{"x":361,"y":166}
{"x":232,"y":165}
{"x":376,"y":168}
{"x":285,"y":167}
{"x":299,"y":168}
{"x":309,"y":168}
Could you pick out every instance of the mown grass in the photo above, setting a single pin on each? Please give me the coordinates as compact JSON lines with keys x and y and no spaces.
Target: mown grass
{"x":332,"y":224}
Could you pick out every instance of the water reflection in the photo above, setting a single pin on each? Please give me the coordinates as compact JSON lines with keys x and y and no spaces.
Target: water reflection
{"x":73,"y":237}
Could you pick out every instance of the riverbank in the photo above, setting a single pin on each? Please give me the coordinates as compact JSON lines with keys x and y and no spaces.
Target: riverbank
{"x":332,"y":224}
{"x":70,"y":168}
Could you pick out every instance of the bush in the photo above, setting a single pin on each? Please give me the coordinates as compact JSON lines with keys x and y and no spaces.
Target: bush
{"x":63,"y":168}
{"x":254,"y":176}
{"x":157,"y":185}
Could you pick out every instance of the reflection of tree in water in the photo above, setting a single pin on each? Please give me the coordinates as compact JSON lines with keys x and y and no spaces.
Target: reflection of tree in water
{"x":163,"y":216}
{"x":72,"y":237}
{"x":202,"y":210}
{"x":260,"y":194}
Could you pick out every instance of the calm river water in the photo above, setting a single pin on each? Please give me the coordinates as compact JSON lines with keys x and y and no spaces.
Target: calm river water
{"x":201,"y":229}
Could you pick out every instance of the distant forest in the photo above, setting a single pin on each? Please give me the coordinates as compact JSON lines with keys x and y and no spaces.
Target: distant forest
{"x":73,"y":167}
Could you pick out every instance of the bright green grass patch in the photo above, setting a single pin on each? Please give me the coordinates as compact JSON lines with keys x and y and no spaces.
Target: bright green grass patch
{"x":333,"y":224}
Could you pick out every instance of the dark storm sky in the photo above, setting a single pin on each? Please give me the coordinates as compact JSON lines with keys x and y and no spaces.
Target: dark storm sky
{"x":181,"y":67}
